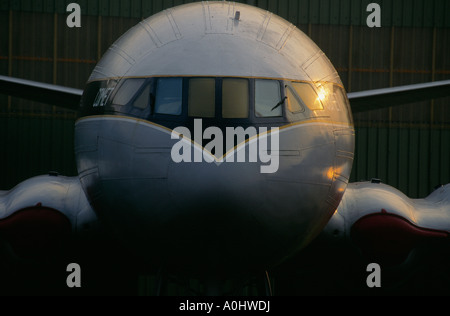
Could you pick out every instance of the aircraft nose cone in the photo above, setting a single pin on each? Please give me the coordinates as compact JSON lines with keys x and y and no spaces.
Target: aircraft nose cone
{"x":215,"y":218}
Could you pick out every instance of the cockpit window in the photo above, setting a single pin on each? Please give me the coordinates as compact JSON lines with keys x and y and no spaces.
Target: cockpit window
{"x":127,"y":91}
{"x":308,"y":95}
{"x":169,"y":96}
{"x":267,"y":97}
{"x":202,"y":97}
{"x":293,"y":102}
{"x":335,"y":96}
{"x":143,"y":98}
{"x":174,"y":99}
{"x":235,"y":98}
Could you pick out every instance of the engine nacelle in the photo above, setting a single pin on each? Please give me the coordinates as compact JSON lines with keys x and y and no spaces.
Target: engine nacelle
{"x":39,"y":214}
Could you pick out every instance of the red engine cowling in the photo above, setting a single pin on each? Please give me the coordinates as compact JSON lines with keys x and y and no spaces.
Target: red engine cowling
{"x":36,"y":232}
{"x":389,"y":238}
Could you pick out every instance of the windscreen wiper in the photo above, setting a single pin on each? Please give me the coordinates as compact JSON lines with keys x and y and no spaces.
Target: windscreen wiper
{"x":279,"y":103}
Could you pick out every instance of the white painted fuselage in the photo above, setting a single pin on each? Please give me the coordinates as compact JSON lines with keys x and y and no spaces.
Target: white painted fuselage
{"x":197,"y":214}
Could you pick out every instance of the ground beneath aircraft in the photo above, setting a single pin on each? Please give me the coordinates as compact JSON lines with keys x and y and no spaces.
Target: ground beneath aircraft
{"x":109,"y":269}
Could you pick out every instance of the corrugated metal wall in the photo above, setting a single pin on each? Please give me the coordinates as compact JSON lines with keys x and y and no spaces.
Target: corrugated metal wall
{"x":406,"y":146}
{"x":409,"y":13}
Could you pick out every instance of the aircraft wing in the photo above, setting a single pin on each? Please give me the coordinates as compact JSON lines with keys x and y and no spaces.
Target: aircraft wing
{"x":41,"y":92}
{"x":381,"y":98}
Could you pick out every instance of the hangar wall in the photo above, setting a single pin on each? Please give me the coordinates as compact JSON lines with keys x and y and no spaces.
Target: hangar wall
{"x":406,"y":146}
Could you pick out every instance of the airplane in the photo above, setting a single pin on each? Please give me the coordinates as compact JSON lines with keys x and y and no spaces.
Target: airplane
{"x":171,"y":85}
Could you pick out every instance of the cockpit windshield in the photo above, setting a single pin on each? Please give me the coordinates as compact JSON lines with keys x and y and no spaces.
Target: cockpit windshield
{"x":227,"y":100}
{"x":235,"y":98}
{"x":202,"y":98}
{"x":267,"y":98}
{"x":169,"y":96}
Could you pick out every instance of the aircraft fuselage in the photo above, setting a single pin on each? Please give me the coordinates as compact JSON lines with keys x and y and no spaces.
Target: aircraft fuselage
{"x":199,"y":64}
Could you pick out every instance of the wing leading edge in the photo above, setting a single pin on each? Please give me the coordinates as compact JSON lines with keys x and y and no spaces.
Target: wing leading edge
{"x":381,"y":98}
{"x":41,"y":92}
